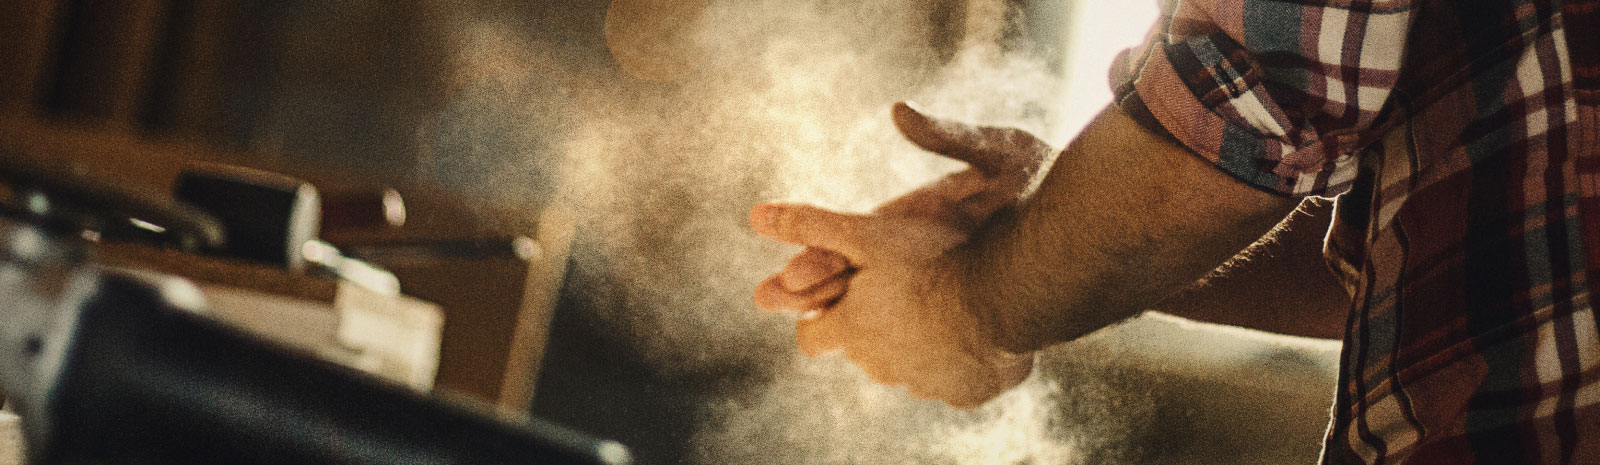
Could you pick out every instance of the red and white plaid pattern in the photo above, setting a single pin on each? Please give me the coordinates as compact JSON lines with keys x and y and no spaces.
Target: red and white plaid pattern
{"x":1461,"y":140}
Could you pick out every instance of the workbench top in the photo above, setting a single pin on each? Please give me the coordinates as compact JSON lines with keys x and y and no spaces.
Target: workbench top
{"x":10,"y":439}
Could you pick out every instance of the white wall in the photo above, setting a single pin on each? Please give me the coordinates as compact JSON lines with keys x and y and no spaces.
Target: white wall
{"x":1099,"y":29}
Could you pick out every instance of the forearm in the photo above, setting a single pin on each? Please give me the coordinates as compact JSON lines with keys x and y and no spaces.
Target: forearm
{"x":1280,"y":284}
{"x":1123,"y":219}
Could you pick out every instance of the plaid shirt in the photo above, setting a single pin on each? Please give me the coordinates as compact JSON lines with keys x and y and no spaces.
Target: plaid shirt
{"x":1462,"y":139}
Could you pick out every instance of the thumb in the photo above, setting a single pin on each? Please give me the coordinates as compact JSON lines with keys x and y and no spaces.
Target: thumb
{"x":995,"y":151}
{"x":812,"y":226}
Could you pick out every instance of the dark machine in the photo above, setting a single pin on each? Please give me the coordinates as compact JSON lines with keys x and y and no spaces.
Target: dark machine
{"x":108,"y":365}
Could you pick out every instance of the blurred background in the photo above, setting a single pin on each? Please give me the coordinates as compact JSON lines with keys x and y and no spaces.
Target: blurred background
{"x":630,"y":138}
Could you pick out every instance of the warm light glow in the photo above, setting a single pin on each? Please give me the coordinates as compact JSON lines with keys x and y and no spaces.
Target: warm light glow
{"x":655,"y":40}
{"x":1099,"y":31}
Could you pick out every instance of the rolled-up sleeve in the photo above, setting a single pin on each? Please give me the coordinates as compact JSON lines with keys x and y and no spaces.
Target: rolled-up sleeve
{"x":1279,"y":94}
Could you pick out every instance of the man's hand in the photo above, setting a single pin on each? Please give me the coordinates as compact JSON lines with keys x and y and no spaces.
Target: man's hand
{"x":1002,"y":163}
{"x":879,"y":287}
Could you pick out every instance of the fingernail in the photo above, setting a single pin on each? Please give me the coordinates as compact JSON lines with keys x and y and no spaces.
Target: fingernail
{"x":810,"y":314}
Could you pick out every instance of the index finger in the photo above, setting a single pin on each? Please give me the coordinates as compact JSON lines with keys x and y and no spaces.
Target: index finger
{"x":812,"y":226}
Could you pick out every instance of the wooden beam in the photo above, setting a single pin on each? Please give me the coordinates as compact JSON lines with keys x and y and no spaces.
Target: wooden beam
{"x":107,"y":56}
{"x":26,"y":51}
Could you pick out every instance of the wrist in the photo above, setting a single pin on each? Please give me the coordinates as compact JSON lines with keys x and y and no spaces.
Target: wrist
{"x":975,"y":295}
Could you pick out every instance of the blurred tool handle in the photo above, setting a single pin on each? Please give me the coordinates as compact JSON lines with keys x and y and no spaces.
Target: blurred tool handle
{"x":356,"y":212}
{"x":60,"y":195}
{"x":268,"y":216}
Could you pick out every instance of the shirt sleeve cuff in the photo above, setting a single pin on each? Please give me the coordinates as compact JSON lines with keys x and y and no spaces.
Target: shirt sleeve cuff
{"x":1206,"y":94}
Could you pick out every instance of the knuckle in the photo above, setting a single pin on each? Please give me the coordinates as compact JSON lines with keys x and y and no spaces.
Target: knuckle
{"x":811,"y":256}
{"x":805,"y":337}
{"x":766,"y":297}
{"x":808,"y":346}
{"x":877,"y":372}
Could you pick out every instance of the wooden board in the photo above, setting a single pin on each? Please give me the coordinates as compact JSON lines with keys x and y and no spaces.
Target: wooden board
{"x":106,"y":60}
{"x":28,"y":44}
{"x":11,"y":447}
{"x":497,"y":310}
{"x":392,"y":336}
{"x":188,"y":97}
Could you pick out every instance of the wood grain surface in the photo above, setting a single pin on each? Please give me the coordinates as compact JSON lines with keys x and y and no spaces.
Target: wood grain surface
{"x":10,"y":439}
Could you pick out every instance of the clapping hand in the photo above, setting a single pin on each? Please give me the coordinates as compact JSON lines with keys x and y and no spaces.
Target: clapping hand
{"x":883,"y":288}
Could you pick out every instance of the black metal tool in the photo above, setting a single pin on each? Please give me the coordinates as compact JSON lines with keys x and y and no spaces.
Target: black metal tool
{"x":58,"y":197}
{"x":120,"y":366}
{"x":268,"y":216}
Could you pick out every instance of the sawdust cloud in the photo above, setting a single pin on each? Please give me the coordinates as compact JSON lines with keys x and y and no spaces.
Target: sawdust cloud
{"x":791,"y":103}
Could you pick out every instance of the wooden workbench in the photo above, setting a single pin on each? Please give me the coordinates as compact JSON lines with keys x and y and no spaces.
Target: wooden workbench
{"x":496,"y":309}
{"x":10,"y":439}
